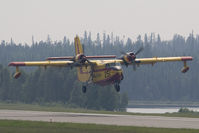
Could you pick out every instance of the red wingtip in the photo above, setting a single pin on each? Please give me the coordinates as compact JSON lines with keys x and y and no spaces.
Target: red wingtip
{"x":16,"y":64}
{"x":187,"y":58}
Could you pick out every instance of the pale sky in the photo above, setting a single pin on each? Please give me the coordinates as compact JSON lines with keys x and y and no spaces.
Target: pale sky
{"x":22,"y":19}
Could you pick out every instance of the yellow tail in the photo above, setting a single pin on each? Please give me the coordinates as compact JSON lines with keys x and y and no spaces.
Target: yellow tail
{"x":78,"y":46}
{"x":83,"y":73}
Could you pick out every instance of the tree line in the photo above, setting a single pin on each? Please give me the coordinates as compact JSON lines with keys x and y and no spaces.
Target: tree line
{"x":58,"y":86}
{"x":163,"y":81}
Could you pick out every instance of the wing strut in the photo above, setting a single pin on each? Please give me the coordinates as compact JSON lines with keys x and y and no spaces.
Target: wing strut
{"x":185,"y":68}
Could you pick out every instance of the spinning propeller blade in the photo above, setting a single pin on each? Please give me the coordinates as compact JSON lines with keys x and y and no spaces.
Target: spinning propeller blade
{"x":134,"y":64}
{"x":122,"y":52}
{"x":141,"y":48}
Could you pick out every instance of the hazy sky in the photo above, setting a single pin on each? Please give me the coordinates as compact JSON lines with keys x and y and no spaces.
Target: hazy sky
{"x":20,"y":19}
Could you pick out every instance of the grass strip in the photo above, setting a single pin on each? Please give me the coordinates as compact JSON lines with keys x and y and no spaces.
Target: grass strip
{"x":15,"y":126}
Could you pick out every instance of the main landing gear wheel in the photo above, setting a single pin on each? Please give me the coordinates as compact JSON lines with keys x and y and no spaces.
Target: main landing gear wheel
{"x":117,"y":87}
{"x":84,"y":89}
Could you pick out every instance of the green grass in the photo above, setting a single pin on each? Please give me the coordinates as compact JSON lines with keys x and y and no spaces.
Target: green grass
{"x":13,"y":126}
{"x":53,"y":107}
{"x":62,"y":108}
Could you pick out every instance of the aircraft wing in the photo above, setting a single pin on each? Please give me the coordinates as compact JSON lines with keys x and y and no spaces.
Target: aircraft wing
{"x":142,"y":61}
{"x":154,"y":60}
{"x":46,"y":64}
{"x":161,"y":59}
{"x":138,"y":61}
{"x":41,"y":63}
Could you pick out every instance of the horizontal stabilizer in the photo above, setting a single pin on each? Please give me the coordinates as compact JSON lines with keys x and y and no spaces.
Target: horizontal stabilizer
{"x":88,"y":57}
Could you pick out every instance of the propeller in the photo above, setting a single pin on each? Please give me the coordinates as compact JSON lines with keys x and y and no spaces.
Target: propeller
{"x":139,"y":50}
{"x":122,"y":52}
{"x":83,"y":48}
{"x":130,"y":57}
{"x":136,"y":53}
{"x":80,"y":60}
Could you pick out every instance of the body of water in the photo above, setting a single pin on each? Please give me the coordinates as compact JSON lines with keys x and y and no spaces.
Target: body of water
{"x":159,"y":110}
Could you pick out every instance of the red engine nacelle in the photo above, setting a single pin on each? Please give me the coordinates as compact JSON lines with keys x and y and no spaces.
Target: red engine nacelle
{"x":81,"y":58}
{"x":128,"y":58}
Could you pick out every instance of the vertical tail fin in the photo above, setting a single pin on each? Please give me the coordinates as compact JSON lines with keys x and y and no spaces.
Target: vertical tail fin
{"x":78,"y":46}
{"x":82,"y":72}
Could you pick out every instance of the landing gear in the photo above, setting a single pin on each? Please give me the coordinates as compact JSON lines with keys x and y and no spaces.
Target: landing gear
{"x":117,"y":87}
{"x":84,"y":89}
{"x":122,"y":77}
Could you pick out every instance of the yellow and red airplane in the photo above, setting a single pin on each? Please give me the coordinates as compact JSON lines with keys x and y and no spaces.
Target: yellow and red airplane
{"x":102,"y":70}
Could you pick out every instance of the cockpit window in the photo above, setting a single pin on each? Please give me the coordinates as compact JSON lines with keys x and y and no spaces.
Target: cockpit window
{"x":107,"y":65}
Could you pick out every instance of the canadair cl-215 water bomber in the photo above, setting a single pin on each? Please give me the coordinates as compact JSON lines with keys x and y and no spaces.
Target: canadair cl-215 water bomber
{"x":103,"y":69}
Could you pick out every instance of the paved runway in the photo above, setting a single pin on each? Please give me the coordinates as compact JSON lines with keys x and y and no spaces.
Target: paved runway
{"x":107,"y":119}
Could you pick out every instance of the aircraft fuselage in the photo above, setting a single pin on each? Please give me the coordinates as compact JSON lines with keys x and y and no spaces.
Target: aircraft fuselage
{"x":107,"y":74}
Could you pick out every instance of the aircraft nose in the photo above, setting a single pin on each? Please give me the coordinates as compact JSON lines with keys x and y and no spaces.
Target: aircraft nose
{"x":121,"y":77}
{"x":119,"y":72}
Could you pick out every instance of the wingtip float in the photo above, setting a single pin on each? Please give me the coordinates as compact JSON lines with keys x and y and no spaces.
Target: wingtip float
{"x":186,"y":68}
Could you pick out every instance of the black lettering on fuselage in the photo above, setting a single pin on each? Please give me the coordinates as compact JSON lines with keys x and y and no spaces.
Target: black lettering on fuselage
{"x":107,"y":73}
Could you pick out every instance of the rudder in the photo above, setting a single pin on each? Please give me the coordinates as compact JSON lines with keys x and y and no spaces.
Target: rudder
{"x":78,"y":46}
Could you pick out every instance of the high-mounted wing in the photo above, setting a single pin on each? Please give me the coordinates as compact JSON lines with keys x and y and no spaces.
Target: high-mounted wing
{"x":38,"y":63}
{"x":142,"y":61}
{"x":41,"y":63}
{"x":46,"y":64}
{"x":166,"y":59}
{"x":162,"y":59}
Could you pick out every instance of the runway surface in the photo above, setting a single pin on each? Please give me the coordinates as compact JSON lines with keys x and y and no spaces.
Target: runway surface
{"x":107,"y":119}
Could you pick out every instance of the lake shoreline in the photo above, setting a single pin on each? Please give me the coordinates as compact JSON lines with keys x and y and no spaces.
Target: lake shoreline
{"x":162,"y":104}
{"x":159,"y":110}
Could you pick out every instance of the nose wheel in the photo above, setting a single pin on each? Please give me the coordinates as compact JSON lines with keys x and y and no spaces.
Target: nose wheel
{"x":84,"y":89}
{"x":117,"y":87}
